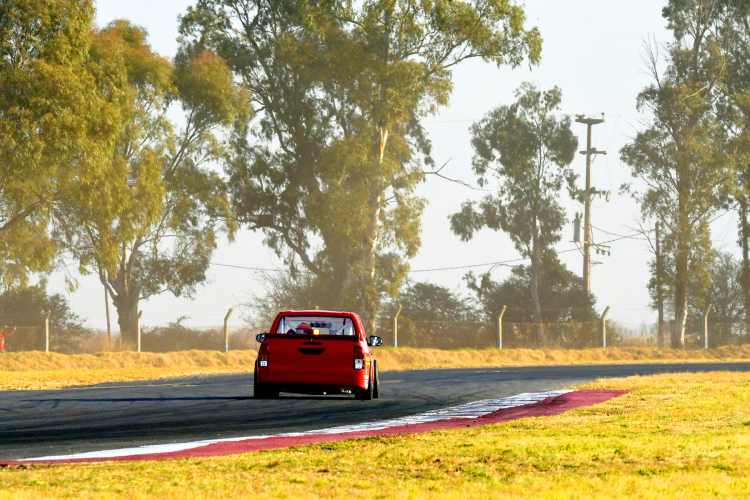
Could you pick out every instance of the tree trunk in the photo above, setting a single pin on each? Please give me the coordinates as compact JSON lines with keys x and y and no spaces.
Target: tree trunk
{"x":368,"y":286}
{"x":535,"y":279}
{"x":682,"y":259}
{"x":127,"y":317}
{"x":745,"y":277}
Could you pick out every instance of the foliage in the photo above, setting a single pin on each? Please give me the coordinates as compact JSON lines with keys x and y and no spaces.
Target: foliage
{"x":434,"y":316}
{"x":341,"y":89}
{"x":687,"y":176}
{"x":734,"y":111}
{"x":55,"y":127}
{"x":158,"y":235}
{"x":528,"y":149}
{"x":725,"y":297}
{"x":27,"y":307}
{"x":178,"y":337}
{"x":562,"y":293}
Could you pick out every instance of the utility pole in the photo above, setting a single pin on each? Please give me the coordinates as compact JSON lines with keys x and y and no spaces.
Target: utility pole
{"x":659,"y":292}
{"x":587,"y":234}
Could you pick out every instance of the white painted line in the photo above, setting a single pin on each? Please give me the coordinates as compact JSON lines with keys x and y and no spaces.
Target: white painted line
{"x":472,"y":410}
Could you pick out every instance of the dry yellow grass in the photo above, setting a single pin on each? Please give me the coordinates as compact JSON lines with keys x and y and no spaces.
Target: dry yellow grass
{"x":37,"y":370}
{"x":674,"y":436}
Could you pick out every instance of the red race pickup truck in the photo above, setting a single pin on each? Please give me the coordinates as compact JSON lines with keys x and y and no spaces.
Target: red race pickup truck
{"x":316,"y":352}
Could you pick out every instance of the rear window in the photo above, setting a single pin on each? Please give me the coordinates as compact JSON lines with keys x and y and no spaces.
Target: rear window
{"x":315,"y":325}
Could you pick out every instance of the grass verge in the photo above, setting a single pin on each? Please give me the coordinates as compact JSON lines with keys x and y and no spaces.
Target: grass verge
{"x":37,"y":370}
{"x":673,"y":436}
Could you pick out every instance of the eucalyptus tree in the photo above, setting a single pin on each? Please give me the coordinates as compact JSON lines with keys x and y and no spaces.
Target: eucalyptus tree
{"x":328,"y":169}
{"x":734,"y":108}
{"x":527,"y":147}
{"x":54,"y":128}
{"x":157,"y":235}
{"x":687,"y":177}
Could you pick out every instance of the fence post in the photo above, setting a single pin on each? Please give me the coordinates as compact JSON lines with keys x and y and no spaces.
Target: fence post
{"x":603,"y":327}
{"x":138,"y":330}
{"x":395,"y":327}
{"x":46,"y":332}
{"x":705,"y":325}
{"x":226,"y":329}
{"x":500,"y":327}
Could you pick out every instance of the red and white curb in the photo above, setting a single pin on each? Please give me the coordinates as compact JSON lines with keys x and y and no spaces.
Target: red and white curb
{"x":466,"y":415}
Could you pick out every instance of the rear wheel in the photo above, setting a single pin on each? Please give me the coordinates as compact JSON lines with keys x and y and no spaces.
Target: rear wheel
{"x":369,"y":393}
{"x":376,"y":379}
{"x":261,"y":391}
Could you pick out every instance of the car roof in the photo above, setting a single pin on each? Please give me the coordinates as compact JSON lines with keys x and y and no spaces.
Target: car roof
{"x":316,"y":312}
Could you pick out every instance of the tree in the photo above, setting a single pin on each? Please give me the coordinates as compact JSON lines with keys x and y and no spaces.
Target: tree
{"x":28,"y":306}
{"x":725,"y":295}
{"x":567,"y":306}
{"x":157,"y":235}
{"x":435,"y":316}
{"x":686,"y":175}
{"x":564,"y":298}
{"x":341,"y":89}
{"x":734,"y":112}
{"x":54,"y":126}
{"x":528,"y":149}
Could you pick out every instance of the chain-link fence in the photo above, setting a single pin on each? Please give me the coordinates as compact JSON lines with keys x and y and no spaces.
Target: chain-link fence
{"x":167,"y":338}
{"x":406,"y":332}
{"x":709,"y":334}
{"x":23,"y":338}
{"x":409,"y":332}
{"x":479,"y":335}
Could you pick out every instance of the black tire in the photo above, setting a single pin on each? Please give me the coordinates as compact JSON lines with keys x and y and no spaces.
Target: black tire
{"x":366,"y":394}
{"x":260,"y":391}
{"x":376,"y":379}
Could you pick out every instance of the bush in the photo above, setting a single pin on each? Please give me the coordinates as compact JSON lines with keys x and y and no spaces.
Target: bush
{"x":25,"y":309}
{"x":178,"y":337}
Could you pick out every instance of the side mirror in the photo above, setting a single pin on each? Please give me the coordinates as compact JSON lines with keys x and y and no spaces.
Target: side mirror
{"x":375,"y":341}
{"x":260,"y":337}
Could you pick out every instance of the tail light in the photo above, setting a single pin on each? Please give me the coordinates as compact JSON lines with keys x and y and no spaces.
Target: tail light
{"x":359,"y":357}
{"x":263,"y":356}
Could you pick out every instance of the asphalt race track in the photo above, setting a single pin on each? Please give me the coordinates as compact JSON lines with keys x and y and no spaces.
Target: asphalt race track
{"x":39,"y":423}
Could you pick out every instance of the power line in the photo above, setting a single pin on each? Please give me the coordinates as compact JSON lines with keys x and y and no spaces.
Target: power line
{"x":517,"y":260}
{"x":250,"y":268}
{"x":632,"y":236}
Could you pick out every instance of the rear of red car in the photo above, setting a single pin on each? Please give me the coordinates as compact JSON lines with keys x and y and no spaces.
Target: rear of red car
{"x":316,"y":352}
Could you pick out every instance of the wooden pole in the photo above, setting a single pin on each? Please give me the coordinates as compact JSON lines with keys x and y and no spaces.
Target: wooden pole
{"x":603,"y":326}
{"x":587,"y":233}
{"x":226,"y":329}
{"x":500,"y":327}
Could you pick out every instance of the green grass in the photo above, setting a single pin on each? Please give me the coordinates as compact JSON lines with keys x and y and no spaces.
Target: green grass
{"x":674,"y":436}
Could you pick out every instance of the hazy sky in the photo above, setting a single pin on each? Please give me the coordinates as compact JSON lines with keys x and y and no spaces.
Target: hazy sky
{"x":593,"y":50}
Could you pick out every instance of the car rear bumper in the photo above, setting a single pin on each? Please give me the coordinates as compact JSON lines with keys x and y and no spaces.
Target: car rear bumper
{"x":312,"y":383}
